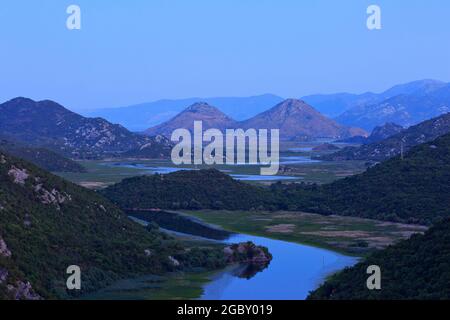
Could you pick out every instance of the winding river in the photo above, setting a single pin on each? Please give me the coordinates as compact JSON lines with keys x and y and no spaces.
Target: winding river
{"x":294,"y":271}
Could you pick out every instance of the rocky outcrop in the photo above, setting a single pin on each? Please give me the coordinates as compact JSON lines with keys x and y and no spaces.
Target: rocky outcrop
{"x":174,"y":261}
{"x":53,"y":197}
{"x":22,"y":291}
{"x":247,"y":252}
{"x":3,"y":275}
{"x":4,"y":251}
{"x":19,"y":175}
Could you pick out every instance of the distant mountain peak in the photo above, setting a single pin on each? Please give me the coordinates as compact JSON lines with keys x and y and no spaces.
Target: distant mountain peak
{"x":210,"y":116}
{"x":202,"y":107}
{"x":296,"y":119}
{"x":50,"y":125}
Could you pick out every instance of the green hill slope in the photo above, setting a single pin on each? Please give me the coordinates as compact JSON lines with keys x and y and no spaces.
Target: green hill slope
{"x":41,"y":157}
{"x":418,"y":268}
{"x":187,"y":190}
{"x":415,"y":189}
{"x":48,"y":224}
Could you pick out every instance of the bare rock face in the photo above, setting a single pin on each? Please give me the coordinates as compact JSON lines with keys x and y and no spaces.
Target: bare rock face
{"x":19,"y":175}
{"x":4,"y":251}
{"x":174,"y":261}
{"x":3,"y":275}
{"x":247,"y":252}
{"x":22,"y":291}
{"x":53,"y":197}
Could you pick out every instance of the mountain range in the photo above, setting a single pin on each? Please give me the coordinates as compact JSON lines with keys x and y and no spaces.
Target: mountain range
{"x":405,"y":104}
{"x":49,"y":125}
{"x":295,"y":119}
{"x":404,"y":140}
{"x":143,"y":116}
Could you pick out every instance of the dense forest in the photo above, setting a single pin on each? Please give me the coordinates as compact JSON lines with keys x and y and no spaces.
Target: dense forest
{"x":188,"y":190}
{"x":48,"y":224}
{"x":413,"y":189}
{"x":417,"y":268}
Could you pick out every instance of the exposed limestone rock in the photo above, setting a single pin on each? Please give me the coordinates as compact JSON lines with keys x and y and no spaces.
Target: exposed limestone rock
{"x":148,"y":252}
{"x":3,"y":275}
{"x":247,"y":252}
{"x":2,"y":159}
{"x":19,"y":175}
{"x":174,"y":261}
{"x":23,"y":291}
{"x":53,"y":197}
{"x":4,"y":251}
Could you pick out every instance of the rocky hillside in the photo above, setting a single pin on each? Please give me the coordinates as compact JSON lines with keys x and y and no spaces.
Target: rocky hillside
{"x":41,"y":157}
{"x":407,"y":106}
{"x":392,"y":146}
{"x":378,"y":134}
{"x":48,"y":224}
{"x":209,"y":115}
{"x":298,"y":120}
{"x":50,"y":125}
{"x":414,"y":269}
{"x":143,"y":116}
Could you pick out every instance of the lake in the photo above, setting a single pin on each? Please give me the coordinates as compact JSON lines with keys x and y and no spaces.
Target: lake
{"x":233,"y":170}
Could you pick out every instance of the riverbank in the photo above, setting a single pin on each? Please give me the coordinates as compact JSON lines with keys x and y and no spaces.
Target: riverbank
{"x":346,"y":235}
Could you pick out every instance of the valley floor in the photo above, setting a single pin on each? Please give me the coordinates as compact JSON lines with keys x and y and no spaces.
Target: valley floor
{"x":348,"y":235}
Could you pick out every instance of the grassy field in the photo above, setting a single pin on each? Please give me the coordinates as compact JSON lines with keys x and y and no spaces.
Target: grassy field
{"x":347,"y":235}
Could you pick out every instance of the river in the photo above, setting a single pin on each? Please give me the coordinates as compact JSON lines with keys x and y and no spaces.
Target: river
{"x":295,"y":270}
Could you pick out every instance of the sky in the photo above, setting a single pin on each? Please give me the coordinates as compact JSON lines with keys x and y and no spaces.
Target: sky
{"x":134,"y":51}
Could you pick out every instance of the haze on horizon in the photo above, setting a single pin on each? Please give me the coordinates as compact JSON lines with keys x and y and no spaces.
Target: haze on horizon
{"x":133,"y":52}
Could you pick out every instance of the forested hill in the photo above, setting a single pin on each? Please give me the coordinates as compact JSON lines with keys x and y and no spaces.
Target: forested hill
{"x":48,"y":224}
{"x":415,"y":189}
{"x":198,"y":189}
{"x":41,"y":157}
{"x":417,"y":268}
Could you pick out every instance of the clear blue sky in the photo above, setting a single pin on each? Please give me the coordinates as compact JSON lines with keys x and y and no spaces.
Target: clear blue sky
{"x":141,"y":50}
